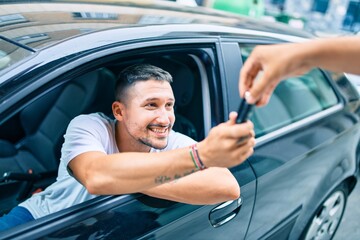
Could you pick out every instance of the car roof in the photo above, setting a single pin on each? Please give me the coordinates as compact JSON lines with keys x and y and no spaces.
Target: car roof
{"x":39,"y":24}
{"x":36,"y":36}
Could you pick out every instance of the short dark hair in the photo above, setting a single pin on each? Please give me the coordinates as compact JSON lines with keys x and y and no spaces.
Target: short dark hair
{"x":138,"y":72}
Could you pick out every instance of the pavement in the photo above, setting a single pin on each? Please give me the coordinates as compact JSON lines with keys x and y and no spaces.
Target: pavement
{"x":349,"y":228}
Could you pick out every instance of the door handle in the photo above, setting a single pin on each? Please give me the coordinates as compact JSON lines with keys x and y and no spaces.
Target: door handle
{"x":224,"y":212}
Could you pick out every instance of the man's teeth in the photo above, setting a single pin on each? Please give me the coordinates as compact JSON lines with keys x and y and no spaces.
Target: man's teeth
{"x":159,"y":130}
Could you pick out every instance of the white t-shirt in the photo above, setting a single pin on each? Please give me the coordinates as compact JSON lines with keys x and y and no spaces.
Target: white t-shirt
{"x":93,"y":132}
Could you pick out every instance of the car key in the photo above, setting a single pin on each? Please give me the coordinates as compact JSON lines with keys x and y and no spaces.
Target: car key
{"x":244,"y":111}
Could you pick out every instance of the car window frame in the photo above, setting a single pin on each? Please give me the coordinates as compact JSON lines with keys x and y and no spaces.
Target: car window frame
{"x":40,"y":227}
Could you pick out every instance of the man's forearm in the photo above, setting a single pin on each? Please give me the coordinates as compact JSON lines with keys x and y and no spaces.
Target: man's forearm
{"x":210,"y":186}
{"x":135,"y":171}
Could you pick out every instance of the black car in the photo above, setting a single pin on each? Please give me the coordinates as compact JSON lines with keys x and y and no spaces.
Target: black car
{"x":59,"y":59}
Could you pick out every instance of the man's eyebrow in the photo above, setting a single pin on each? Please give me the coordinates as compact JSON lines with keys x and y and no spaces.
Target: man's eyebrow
{"x":154,"y":99}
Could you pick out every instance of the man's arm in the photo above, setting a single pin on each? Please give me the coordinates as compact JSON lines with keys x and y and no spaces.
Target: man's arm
{"x":286,"y":60}
{"x":136,"y":172}
{"x":210,"y":186}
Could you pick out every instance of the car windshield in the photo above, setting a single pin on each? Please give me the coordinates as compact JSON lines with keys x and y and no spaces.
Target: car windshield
{"x":10,"y":54}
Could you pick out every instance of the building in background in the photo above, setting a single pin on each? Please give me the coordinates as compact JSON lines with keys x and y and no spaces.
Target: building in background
{"x":322,"y":16}
{"x":335,"y":17}
{"x":351,"y":21}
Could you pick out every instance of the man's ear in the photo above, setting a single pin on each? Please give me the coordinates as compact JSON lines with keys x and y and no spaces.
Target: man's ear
{"x":118,"y":110}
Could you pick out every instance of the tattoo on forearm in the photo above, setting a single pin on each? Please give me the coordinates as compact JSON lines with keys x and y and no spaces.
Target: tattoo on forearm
{"x":188,"y":173}
{"x":164,"y":179}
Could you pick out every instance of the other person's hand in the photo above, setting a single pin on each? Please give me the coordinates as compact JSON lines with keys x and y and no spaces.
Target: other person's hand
{"x":274,"y":63}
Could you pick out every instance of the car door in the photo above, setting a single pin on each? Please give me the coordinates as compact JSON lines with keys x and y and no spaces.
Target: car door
{"x":138,"y":216}
{"x":295,"y":158}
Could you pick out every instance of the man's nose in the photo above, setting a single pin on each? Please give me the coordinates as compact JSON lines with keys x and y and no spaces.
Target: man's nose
{"x":164,"y":116}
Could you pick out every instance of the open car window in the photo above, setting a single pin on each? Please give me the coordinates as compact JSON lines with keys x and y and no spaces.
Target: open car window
{"x":32,"y":137}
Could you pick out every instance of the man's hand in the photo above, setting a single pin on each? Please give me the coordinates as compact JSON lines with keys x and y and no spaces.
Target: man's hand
{"x":228,"y":144}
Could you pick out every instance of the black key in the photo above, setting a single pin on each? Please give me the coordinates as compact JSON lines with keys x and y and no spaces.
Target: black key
{"x":244,"y":111}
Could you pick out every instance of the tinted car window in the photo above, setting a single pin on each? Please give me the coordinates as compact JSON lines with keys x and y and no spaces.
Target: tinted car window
{"x":293,"y":100}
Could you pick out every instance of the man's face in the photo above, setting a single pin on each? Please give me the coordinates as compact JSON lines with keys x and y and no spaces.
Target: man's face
{"x":148,"y":114}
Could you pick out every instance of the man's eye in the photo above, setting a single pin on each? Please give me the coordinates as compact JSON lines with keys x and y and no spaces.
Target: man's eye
{"x":150,"y":105}
{"x":170,"y":105}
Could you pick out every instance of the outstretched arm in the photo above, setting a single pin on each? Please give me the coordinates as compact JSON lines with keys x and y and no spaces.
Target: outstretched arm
{"x":285,"y":60}
{"x":137,"y":172}
{"x":210,"y":186}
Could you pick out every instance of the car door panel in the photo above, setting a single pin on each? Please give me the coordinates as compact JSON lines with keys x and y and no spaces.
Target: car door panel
{"x":197,"y":225}
{"x":291,"y":171}
{"x":301,"y":153}
{"x":295,"y":150}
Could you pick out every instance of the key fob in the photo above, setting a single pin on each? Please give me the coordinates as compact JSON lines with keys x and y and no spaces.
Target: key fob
{"x":244,"y":111}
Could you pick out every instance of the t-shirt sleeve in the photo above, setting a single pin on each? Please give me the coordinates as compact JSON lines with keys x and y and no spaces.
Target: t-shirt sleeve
{"x":84,"y":133}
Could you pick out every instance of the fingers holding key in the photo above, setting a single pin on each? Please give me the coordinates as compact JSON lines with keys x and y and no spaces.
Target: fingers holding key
{"x":228,"y":144}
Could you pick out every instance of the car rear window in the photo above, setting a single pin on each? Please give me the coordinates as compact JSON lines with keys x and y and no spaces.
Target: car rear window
{"x":293,"y":99}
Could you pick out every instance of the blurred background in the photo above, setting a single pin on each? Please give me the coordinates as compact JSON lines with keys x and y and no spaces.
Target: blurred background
{"x":322,"y":17}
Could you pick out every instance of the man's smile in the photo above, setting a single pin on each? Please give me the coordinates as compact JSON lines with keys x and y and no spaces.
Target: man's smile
{"x":159,"y":130}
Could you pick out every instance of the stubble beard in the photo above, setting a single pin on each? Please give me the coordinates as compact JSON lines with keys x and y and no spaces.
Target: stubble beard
{"x":148,"y":142}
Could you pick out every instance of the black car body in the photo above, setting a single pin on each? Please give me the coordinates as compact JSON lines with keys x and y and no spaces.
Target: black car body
{"x":60,"y":59}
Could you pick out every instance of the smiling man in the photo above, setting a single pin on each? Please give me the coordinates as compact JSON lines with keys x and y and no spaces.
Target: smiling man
{"x":136,"y":110}
{"x":139,"y":152}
